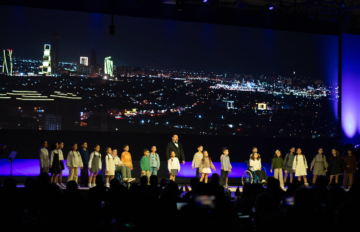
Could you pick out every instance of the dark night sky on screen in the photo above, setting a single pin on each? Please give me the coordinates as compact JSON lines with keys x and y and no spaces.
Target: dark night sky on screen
{"x":160,"y":44}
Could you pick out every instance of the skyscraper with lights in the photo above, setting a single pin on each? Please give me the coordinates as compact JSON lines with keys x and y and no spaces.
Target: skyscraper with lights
{"x":7,"y":62}
{"x":46,"y":67}
{"x":93,"y":61}
{"x":84,"y":60}
{"x":54,"y":53}
{"x":108,"y":66}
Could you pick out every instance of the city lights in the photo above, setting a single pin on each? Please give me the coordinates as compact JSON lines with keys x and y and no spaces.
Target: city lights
{"x":34,"y":99}
{"x":226,"y":103}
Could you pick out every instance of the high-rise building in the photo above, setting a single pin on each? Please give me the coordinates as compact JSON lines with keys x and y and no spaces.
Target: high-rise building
{"x":123,"y":71}
{"x":7,"y":62}
{"x":108,"y":66}
{"x":289,"y":81}
{"x":46,"y":67}
{"x":93,"y":62}
{"x":84,"y":60}
{"x":83,"y":69}
{"x":52,"y":122}
{"x":54,"y":53}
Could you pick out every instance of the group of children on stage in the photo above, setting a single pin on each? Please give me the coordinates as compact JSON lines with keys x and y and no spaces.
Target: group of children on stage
{"x":203,"y":164}
{"x":150,"y":164}
{"x":296,"y":163}
{"x":54,"y":163}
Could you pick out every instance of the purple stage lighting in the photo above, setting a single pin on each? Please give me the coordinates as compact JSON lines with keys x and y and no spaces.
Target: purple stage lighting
{"x":271,"y":7}
{"x":205,"y":0}
{"x":236,"y":172}
{"x":24,"y":167}
{"x":350,"y":111}
{"x":31,"y":167}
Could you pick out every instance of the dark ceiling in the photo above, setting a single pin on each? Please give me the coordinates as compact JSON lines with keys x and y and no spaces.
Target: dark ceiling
{"x":326,"y":17}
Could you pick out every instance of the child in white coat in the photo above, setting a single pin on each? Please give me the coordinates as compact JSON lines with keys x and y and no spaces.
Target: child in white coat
{"x":44,"y":157}
{"x":110,"y":166}
{"x":173,"y":166}
{"x":300,"y":166}
{"x":74,"y":162}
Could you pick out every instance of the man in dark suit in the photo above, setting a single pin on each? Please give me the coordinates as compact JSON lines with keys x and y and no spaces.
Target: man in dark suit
{"x":177,"y":148}
{"x":2,"y":148}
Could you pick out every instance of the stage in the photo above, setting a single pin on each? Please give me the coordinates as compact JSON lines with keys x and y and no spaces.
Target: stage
{"x":24,"y":168}
{"x":234,"y":184}
{"x":30,"y":168}
{"x":84,"y":190}
{"x":181,"y":181}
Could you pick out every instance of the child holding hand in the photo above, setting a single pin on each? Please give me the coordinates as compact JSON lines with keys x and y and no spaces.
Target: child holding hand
{"x":319,"y":165}
{"x":173,"y":166}
{"x":205,"y":166}
{"x":225,"y":168}
{"x":278,"y":165}
{"x":197,"y":160}
{"x":335,"y":166}
{"x":349,"y":168}
{"x":300,"y":166}
{"x":110,"y":166}
{"x":74,"y":162}
{"x":127,"y":161}
{"x":145,"y":165}
{"x":94,"y":164}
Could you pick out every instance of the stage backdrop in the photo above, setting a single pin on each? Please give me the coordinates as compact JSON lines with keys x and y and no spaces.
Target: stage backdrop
{"x":27,"y":144}
{"x":165,"y":76}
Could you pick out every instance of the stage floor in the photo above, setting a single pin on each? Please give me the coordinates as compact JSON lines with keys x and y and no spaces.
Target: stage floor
{"x":180,"y":180}
{"x":232,"y":189}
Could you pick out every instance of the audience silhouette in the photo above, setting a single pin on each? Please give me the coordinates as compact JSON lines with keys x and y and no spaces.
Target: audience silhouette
{"x":41,"y":206}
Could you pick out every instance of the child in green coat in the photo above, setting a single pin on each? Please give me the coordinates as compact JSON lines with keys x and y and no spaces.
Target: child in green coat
{"x":145,"y":165}
{"x":278,"y":165}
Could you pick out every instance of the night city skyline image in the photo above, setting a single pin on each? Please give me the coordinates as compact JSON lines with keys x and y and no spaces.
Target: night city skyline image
{"x":164,"y":76}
